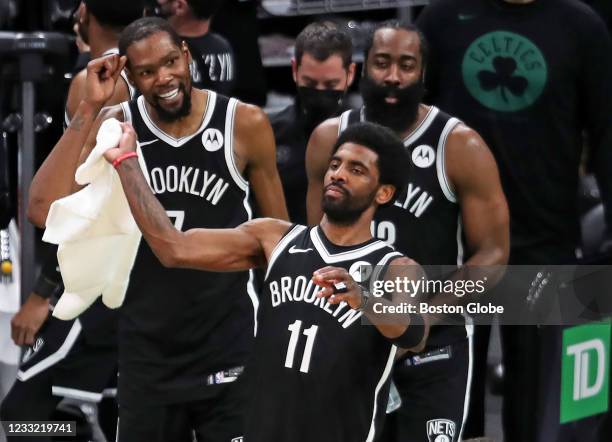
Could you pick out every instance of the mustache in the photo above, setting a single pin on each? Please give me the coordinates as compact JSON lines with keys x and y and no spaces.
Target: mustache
{"x":337,"y":185}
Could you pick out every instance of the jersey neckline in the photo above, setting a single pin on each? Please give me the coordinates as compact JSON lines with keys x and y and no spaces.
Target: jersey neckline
{"x":332,"y":253}
{"x":211,"y":99}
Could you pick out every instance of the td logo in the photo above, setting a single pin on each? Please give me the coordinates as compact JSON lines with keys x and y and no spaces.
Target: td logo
{"x":504,"y":71}
{"x":585,"y":371}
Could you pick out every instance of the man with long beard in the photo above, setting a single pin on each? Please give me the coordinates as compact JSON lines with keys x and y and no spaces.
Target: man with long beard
{"x":453,"y":213}
{"x":183,"y":335}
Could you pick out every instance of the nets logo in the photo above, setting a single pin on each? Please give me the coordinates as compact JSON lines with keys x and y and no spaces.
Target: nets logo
{"x":423,"y":156}
{"x":212,"y":139}
{"x":440,"y":430}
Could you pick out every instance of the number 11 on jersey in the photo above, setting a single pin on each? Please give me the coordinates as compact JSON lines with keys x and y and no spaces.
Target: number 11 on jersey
{"x":310,"y":334}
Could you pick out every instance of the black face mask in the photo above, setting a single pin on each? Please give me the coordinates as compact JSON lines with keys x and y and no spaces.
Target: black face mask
{"x":318,"y":105}
{"x":398,"y":116}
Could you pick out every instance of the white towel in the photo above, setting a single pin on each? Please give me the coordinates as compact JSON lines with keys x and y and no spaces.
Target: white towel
{"x":97,"y":236}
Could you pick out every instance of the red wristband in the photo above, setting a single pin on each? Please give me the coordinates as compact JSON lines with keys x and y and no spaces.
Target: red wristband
{"x":125,"y":156}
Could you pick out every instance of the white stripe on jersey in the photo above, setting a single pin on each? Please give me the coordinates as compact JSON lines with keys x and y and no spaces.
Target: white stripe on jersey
{"x":229,"y":145}
{"x":332,"y":258}
{"x":420,"y":130}
{"x":177,"y":142}
{"x":282,"y":245}
{"x":53,"y":358}
{"x":469,"y":328}
{"x":381,"y":382}
{"x":445,"y":184}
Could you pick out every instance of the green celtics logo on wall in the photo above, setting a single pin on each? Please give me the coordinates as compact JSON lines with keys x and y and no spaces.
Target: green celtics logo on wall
{"x":504,"y":71}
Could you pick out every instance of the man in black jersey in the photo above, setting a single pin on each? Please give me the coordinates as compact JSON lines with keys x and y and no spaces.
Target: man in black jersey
{"x":213,"y":66}
{"x":179,"y":355}
{"x":89,"y":363}
{"x":323,"y":71}
{"x":315,"y":373}
{"x":453,"y":213}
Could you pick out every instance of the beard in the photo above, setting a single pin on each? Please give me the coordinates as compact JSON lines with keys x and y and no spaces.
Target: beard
{"x":345,"y":211}
{"x":396,"y":116}
{"x":170,"y":116}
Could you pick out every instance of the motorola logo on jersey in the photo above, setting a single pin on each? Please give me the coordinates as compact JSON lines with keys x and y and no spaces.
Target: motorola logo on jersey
{"x":441,"y":430}
{"x":212,"y":139}
{"x":360,"y":271}
{"x":423,"y":156}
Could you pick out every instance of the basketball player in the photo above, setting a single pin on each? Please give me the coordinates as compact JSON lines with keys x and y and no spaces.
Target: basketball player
{"x":77,"y":359}
{"x":316,"y":374}
{"x":453,"y":213}
{"x":179,"y":354}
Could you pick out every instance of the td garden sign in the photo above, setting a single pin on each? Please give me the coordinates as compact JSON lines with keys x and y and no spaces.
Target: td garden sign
{"x":585,"y":371}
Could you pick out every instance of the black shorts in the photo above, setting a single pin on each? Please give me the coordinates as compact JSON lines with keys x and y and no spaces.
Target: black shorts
{"x":434,"y":388}
{"x":218,"y":418}
{"x":78,"y":368}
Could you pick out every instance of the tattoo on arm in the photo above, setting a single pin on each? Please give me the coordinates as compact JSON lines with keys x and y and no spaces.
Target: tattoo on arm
{"x":76,"y":123}
{"x":144,"y":204}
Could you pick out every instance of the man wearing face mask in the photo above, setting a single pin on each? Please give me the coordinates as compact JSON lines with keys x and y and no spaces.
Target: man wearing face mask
{"x":323,"y":71}
{"x":453,"y":214}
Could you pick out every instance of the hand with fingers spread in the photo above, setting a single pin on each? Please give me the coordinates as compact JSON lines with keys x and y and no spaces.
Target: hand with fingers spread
{"x":338,"y":285}
{"x":102,"y":75}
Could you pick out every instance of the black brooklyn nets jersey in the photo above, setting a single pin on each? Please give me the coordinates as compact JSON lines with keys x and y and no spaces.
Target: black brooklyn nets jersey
{"x":424,"y":223}
{"x":177,"y":325}
{"x":317,"y":374}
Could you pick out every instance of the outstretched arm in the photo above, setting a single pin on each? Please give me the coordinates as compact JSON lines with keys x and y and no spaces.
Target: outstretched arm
{"x":244,"y":247}
{"x":55,"y":178}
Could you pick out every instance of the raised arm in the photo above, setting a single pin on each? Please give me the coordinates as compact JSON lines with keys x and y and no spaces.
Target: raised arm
{"x":318,"y":153}
{"x":244,"y":247}
{"x":55,"y":178}
{"x":254,"y":139}
{"x":473,"y":173}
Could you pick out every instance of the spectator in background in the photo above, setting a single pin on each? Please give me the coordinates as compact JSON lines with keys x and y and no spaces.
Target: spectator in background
{"x":323,"y":71}
{"x":213,"y":66}
{"x":530,"y":76}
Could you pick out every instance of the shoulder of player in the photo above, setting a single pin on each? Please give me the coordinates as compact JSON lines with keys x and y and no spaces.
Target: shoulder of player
{"x":403,"y":261}
{"x":250,"y":118}
{"x":462,"y":142}
{"x":320,"y":144}
{"x":268,"y":231}
{"x":76,"y":91}
{"x":468,"y":159}
{"x":122,"y":92}
{"x":406,"y":267}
